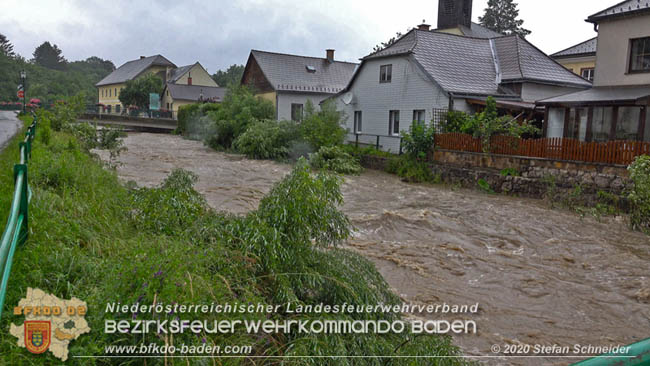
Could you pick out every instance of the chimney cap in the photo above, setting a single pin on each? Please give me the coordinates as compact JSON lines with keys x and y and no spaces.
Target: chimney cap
{"x":424,"y":26}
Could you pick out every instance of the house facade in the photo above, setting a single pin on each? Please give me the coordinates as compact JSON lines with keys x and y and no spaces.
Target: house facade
{"x":290,"y":81}
{"x":426,"y":73}
{"x":190,"y":84}
{"x":616,"y":108}
{"x":580,"y":59}
{"x":109,"y":88}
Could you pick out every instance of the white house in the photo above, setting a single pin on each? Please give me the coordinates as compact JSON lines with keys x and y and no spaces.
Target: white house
{"x":425,"y":73}
{"x":289,"y":81}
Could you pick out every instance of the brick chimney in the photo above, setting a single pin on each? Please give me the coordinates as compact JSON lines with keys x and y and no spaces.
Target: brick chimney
{"x":424,"y":26}
{"x":452,"y":13}
{"x":330,"y":55}
{"x":141,"y":57}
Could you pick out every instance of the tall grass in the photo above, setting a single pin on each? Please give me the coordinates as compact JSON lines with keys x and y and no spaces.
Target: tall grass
{"x":95,"y":239}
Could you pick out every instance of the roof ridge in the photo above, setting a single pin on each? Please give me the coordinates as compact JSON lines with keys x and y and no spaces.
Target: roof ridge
{"x":289,"y":54}
{"x":554,"y":61}
{"x":575,"y":45}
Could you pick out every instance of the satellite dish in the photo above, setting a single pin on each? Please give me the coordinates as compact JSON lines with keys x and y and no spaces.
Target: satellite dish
{"x":347,"y":98}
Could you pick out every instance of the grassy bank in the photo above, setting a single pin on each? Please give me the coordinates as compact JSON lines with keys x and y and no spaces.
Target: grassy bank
{"x":95,"y":239}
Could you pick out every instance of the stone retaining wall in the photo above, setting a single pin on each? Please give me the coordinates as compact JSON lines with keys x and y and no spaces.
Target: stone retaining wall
{"x":538,"y":178}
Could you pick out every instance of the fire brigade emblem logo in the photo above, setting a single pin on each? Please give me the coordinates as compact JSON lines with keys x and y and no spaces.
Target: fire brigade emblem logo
{"x":37,"y":335}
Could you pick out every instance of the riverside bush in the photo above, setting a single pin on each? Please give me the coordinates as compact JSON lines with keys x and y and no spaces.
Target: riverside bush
{"x":325,"y":127}
{"x":267,"y":139}
{"x":410,"y":170}
{"x":335,"y":159}
{"x":639,"y":194}
{"x":418,"y":141}
{"x":239,"y":108}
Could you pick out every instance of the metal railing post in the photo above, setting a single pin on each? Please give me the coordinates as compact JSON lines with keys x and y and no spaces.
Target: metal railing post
{"x":377,"y":142}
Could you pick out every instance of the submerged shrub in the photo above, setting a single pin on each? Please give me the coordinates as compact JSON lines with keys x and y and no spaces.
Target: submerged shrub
{"x":335,"y":159}
{"x":639,"y":195}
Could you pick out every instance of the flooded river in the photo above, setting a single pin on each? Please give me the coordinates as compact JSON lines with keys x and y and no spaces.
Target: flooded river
{"x":540,"y":276}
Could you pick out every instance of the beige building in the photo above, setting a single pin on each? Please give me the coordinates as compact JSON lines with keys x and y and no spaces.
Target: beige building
{"x":616,"y":108}
{"x":109,"y":88}
{"x":580,"y":59}
{"x":190,"y":84}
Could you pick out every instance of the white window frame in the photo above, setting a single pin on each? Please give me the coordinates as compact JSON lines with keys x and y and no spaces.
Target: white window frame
{"x":393,"y":123}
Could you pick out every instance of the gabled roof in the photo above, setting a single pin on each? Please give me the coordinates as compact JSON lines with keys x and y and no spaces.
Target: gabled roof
{"x":194,"y":92}
{"x":479,"y":66}
{"x":586,"y":48}
{"x":290,"y":72}
{"x":178,"y":72}
{"x":624,"y":8}
{"x":133,"y":69}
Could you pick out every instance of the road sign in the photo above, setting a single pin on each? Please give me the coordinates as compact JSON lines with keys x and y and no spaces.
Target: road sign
{"x":20,"y":86}
{"x":21,"y":94}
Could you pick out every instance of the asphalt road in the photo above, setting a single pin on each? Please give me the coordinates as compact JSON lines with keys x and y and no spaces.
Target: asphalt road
{"x":9,"y":125}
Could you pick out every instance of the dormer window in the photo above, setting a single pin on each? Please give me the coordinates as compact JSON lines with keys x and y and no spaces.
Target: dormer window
{"x":310,"y":69}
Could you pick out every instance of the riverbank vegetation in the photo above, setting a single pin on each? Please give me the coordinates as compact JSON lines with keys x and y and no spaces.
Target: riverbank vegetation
{"x":244,"y":123}
{"x":100,"y":241}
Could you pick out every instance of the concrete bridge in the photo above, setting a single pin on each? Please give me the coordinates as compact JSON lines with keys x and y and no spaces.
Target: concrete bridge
{"x":132,"y":123}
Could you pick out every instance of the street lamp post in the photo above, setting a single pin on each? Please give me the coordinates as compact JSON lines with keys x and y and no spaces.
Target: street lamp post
{"x":23,"y":76}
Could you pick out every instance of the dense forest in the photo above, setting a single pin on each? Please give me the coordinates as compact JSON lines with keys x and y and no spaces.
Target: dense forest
{"x":49,"y":75}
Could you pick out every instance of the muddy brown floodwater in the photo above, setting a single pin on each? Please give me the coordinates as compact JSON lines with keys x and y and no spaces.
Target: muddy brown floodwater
{"x":540,"y":276}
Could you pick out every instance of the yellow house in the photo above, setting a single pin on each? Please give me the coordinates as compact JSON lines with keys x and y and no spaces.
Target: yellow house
{"x":109,"y":88}
{"x":580,"y":59}
{"x":190,"y":84}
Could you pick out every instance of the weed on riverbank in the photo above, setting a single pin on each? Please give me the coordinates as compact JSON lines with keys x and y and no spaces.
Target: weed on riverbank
{"x":95,"y":239}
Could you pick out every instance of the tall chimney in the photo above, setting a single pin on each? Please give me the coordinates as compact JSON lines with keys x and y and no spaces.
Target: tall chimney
{"x":330,"y":55}
{"x":452,"y":13}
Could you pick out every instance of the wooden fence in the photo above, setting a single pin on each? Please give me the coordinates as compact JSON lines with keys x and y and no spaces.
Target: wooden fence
{"x":611,"y":152}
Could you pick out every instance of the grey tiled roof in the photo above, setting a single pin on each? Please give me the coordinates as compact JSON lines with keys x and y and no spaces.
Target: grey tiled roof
{"x":467,"y":65}
{"x":479,"y":31}
{"x":178,"y":72}
{"x":627,"y":7}
{"x":132,"y":69}
{"x":602,"y":94}
{"x":193,"y":92}
{"x":584,"y":48}
{"x":289,"y":72}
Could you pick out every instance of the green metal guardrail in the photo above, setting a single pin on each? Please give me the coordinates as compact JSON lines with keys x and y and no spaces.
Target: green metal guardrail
{"x":16,"y":230}
{"x":637,"y":355}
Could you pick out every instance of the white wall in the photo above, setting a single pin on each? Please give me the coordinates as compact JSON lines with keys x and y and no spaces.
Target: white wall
{"x":409,"y":90}
{"x":614,"y":50}
{"x":286,"y":99}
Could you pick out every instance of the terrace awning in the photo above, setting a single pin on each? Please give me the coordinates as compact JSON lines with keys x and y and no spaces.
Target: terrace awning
{"x":611,"y":95}
{"x":506,"y":104}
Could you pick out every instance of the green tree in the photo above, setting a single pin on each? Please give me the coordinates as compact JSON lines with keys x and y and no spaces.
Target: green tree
{"x":325,"y":127}
{"x":240,"y":107}
{"x":50,"y":56}
{"x":6,"y":48}
{"x":232,"y":75}
{"x":501,"y":16}
{"x":136,"y":92}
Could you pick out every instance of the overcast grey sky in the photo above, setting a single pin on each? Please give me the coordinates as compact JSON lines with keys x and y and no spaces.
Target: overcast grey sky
{"x":220,"y":33}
